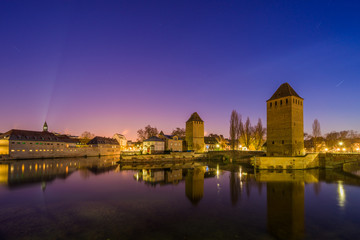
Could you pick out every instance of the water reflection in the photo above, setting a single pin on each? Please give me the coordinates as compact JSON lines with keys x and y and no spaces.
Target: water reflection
{"x":194,"y":184}
{"x":142,"y":198}
{"x":19,"y":173}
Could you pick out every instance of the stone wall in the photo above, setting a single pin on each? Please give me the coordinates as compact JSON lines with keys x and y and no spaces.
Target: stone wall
{"x":243,"y":156}
{"x":306,"y":162}
{"x":285,"y":128}
{"x":195,"y":136}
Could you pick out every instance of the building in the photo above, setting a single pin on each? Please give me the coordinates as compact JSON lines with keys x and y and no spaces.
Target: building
{"x":24,"y":144}
{"x":194,"y":133}
{"x":285,"y":125}
{"x":172,"y":142}
{"x":18,"y":144}
{"x":154,"y":145}
{"x":106,"y":146}
{"x":121,"y":140}
{"x":211,"y":144}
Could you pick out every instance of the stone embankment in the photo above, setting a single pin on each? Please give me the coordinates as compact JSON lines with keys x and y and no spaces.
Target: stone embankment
{"x":176,"y":156}
{"x":234,"y":156}
{"x":309,"y":161}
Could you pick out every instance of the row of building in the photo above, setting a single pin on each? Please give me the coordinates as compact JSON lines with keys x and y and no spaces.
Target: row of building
{"x":24,"y":144}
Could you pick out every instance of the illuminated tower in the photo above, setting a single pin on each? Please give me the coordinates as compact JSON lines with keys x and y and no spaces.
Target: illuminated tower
{"x":285,"y":124}
{"x":45,"y":127}
{"x":194,"y":135}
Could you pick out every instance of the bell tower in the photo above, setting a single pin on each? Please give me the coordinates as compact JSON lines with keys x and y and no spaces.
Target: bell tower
{"x":285,"y":124}
{"x":45,"y":127}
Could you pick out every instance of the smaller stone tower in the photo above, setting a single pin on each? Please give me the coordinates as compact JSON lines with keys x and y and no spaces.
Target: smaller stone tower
{"x":194,"y":135}
{"x":45,"y":127}
{"x":285,"y":125}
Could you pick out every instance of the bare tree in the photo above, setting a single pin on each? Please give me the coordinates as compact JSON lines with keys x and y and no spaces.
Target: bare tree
{"x":87,"y":135}
{"x":316,"y":133}
{"x":234,"y":129}
{"x":147,"y":132}
{"x":259,"y":133}
{"x":180,"y":132}
{"x":246,"y":132}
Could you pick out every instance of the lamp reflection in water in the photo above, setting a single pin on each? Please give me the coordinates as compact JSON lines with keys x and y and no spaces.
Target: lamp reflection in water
{"x":341,"y":195}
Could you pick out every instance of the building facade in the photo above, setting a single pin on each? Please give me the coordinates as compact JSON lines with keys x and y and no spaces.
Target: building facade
{"x":285,"y":124}
{"x":194,"y":133}
{"x":121,"y":140}
{"x":24,"y":144}
{"x":172,"y":142}
{"x":153,"y":145}
{"x":105,"y":146}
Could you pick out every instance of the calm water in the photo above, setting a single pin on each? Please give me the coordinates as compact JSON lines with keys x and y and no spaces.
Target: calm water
{"x":99,"y":199}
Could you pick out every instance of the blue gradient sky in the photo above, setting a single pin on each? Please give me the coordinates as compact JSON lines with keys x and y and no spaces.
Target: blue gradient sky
{"x":116,"y":66}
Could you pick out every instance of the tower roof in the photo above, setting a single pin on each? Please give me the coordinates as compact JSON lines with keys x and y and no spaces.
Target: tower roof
{"x":285,"y":90}
{"x":195,"y":118}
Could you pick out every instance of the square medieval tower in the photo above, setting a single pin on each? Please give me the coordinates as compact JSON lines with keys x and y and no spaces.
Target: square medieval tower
{"x":285,"y":124}
{"x":194,"y":133}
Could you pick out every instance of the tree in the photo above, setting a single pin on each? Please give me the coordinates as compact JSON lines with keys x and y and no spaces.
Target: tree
{"x":87,"y":135}
{"x":147,"y":132}
{"x":221,"y":141}
{"x":316,"y":133}
{"x":180,"y":132}
{"x":332,"y":139}
{"x":246,"y":132}
{"x":234,"y":129}
{"x":259,"y":133}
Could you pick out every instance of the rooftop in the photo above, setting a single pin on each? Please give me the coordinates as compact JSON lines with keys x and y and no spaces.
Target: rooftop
{"x":285,"y":90}
{"x":195,"y":118}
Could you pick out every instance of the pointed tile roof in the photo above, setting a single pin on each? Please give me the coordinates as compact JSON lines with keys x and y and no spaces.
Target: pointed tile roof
{"x":195,"y":118}
{"x":285,"y":90}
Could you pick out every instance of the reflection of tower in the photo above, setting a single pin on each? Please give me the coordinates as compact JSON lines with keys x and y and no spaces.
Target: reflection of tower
{"x":234,"y":187}
{"x":194,"y":184}
{"x":43,"y":186}
{"x":285,"y":204}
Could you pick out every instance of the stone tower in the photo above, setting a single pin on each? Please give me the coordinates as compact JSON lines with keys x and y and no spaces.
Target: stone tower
{"x":45,"y":127}
{"x":194,"y":135}
{"x":285,"y":124}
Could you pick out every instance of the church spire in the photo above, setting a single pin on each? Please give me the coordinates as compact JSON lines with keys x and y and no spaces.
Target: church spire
{"x":45,"y":127}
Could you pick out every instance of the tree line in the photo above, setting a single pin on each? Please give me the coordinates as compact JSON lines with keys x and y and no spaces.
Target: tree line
{"x":332,"y":140}
{"x":244,"y":133}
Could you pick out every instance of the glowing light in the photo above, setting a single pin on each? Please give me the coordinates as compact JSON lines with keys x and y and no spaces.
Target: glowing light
{"x":217,"y":145}
{"x":341,"y":195}
{"x":137,"y":176}
{"x":326,"y":149}
{"x":341,"y":143}
{"x":344,"y":149}
{"x":217,"y":171}
{"x":240,"y":172}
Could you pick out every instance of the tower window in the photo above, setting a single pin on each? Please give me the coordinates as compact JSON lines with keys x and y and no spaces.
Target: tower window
{"x":270,"y":104}
{"x":273,"y":142}
{"x":287,"y":101}
{"x":280,"y":102}
{"x":293,"y":100}
{"x":275,"y":103}
{"x":282,"y":141}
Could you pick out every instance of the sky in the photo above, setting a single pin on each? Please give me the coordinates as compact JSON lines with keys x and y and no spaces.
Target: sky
{"x":116,"y":66}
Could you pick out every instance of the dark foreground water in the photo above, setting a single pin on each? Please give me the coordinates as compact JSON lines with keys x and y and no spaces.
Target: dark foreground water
{"x":99,"y":199}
